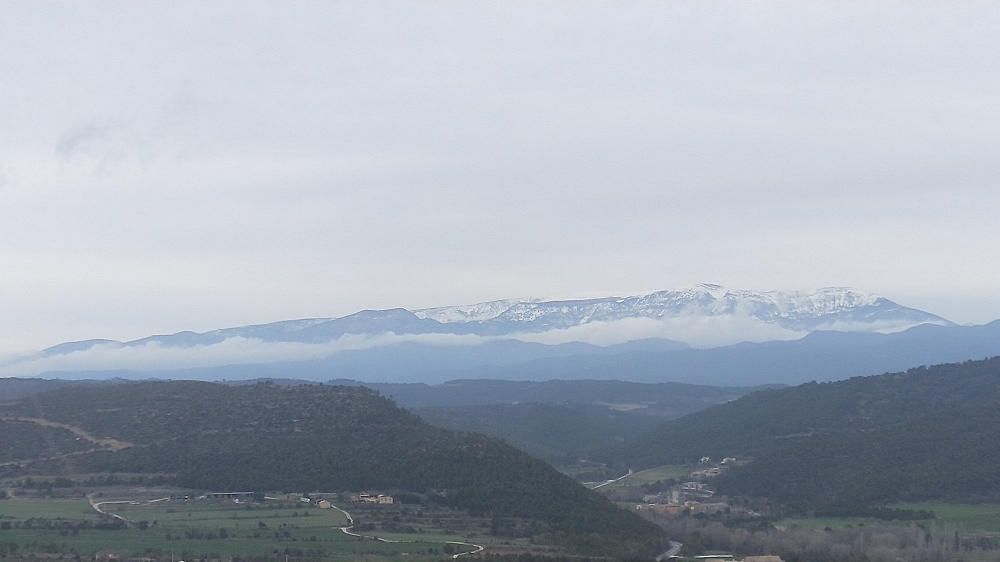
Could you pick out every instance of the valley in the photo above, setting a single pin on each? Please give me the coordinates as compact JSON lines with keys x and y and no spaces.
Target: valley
{"x":666,"y":464}
{"x":493,"y":281}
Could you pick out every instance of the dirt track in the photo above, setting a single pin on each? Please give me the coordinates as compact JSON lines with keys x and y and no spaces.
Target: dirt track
{"x":102,"y":442}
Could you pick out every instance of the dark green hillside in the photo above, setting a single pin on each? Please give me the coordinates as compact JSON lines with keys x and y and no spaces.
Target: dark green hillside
{"x":555,"y":432}
{"x":668,"y":399}
{"x":766,"y":420}
{"x":13,"y":388}
{"x":267,"y":437}
{"x":925,"y":433}
{"x":21,"y":440}
{"x":949,"y":455}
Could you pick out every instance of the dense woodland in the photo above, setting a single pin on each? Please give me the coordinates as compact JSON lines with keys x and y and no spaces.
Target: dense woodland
{"x":558,"y":433}
{"x":844,"y":445}
{"x":23,"y":440}
{"x":268,"y":437}
{"x":666,"y":399}
{"x":862,"y":543}
{"x":13,"y":388}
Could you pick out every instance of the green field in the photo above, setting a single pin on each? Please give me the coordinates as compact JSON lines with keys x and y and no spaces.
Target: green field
{"x":197,"y":529}
{"x":675,"y":471}
{"x":824,"y":522}
{"x":969,"y":517}
{"x":973,"y":517}
{"x":74,"y":510}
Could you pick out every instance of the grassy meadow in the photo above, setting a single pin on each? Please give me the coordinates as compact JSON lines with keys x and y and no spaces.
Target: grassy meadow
{"x":675,"y":471}
{"x":968,"y":517}
{"x":201,"y":529}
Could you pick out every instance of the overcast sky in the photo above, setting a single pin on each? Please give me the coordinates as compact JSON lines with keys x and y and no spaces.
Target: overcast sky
{"x":168,"y":166}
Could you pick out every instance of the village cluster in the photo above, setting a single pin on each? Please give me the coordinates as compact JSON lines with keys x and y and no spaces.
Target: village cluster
{"x":696,"y":495}
{"x":321,"y":501}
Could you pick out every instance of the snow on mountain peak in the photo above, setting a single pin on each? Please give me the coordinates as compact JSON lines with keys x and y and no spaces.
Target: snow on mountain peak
{"x":478,"y":312}
{"x":704,"y":315}
{"x":717,"y":291}
{"x":804,"y":311}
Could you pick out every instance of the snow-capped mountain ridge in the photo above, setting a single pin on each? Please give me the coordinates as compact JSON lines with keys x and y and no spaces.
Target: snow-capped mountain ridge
{"x":478,"y":312}
{"x":792,"y":309}
{"x":501,"y":332}
{"x":703,"y":316}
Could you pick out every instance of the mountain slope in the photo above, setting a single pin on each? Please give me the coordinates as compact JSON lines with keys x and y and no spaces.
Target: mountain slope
{"x":939,"y":456}
{"x":15,"y":388}
{"x":907,"y":435}
{"x":666,"y":399}
{"x":267,"y":437}
{"x":554,"y":432}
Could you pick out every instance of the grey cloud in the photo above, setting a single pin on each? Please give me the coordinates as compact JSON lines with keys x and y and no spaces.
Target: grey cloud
{"x":231,"y":351}
{"x":327,"y":157}
{"x":81,"y":139}
{"x":702,"y":332}
{"x":153,"y":356}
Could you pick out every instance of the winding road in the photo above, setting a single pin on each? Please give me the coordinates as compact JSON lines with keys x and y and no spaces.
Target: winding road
{"x":348,"y":530}
{"x":622,"y":477}
{"x":97,"y":507}
{"x":675,"y":550}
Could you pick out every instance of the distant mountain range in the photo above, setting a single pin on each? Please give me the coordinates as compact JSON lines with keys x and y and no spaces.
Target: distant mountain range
{"x":792,"y":314}
{"x":797,"y":313}
{"x":690,"y":335}
{"x":830,"y":308}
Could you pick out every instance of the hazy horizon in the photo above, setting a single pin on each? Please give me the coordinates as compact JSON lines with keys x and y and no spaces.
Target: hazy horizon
{"x":614,"y":334}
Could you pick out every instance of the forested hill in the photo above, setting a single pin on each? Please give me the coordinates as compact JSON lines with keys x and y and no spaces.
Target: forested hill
{"x":320,"y":437}
{"x":670,"y":399}
{"x":12,"y":388}
{"x":910,"y":435}
{"x":559,"y":433}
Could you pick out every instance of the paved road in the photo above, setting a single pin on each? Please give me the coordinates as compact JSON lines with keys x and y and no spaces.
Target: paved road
{"x":622,"y":477}
{"x":675,"y":549}
{"x":97,"y":507}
